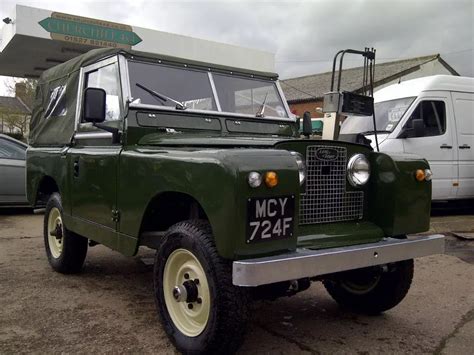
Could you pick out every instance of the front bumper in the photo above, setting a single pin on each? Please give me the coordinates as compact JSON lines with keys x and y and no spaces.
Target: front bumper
{"x":309,"y":263}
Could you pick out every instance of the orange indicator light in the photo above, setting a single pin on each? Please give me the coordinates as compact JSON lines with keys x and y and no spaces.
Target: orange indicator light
{"x":271,"y":179}
{"x":420,"y":175}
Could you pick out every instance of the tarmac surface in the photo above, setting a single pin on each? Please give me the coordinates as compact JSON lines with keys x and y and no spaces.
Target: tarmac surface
{"x":109,"y":307}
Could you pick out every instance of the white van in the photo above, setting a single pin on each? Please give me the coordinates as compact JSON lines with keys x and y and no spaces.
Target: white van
{"x":432,"y":117}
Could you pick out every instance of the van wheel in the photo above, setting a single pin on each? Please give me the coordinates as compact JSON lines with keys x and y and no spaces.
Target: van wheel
{"x":201,"y":310}
{"x":65,"y":250}
{"x":372,"y":290}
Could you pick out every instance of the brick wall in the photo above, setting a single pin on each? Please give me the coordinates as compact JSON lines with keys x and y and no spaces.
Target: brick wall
{"x":300,"y":108}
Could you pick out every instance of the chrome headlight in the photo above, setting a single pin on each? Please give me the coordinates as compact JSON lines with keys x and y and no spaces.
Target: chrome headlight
{"x":301,"y":166}
{"x":254,"y":179}
{"x":358,"y":170}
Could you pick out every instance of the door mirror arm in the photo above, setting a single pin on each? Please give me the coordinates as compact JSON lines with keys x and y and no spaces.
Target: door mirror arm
{"x":307,"y":126}
{"x":116,"y":134}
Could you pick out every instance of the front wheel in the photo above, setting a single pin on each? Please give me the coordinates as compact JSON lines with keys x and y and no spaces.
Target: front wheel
{"x":201,"y":311}
{"x":372,"y":290}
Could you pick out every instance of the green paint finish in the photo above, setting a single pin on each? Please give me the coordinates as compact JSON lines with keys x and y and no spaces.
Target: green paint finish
{"x":213,"y":172}
{"x":89,"y":31}
{"x":215,"y":178}
{"x":398,"y":203}
{"x":336,"y":234}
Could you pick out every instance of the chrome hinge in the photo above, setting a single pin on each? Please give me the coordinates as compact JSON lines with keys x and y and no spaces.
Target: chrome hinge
{"x":115,"y":215}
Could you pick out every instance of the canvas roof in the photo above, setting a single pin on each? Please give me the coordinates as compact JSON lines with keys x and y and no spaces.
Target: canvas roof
{"x":94,"y":55}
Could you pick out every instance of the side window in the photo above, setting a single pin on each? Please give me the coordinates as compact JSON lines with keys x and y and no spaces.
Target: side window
{"x":432,"y":114}
{"x":107,"y":78}
{"x":56,"y":106}
{"x":10,"y":150}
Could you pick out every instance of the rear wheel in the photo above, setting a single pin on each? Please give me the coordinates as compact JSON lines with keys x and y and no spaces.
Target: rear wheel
{"x":201,"y":310}
{"x":65,"y":250}
{"x":372,"y":290}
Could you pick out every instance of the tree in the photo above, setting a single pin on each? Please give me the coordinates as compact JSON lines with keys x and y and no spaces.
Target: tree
{"x":14,"y":121}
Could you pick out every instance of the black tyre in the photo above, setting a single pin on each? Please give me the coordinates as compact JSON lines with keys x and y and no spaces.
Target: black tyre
{"x":372,"y":290}
{"x":65,"y":250}
{"x":201,"y":310}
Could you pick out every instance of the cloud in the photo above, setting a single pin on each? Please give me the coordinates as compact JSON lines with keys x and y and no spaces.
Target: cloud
{"x":304,"y":34}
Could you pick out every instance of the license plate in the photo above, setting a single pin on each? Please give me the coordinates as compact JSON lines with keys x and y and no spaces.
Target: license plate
{"x":270,"y":218}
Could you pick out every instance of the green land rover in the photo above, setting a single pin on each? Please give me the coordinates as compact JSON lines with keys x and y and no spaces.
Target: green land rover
{"x":205,"y":164}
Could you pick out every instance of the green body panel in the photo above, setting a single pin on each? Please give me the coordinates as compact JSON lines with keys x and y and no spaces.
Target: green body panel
{"x":398,"y":203}
{"x":216,"y":177}
{"x":42,"y":163}
{"x":328,"y":235}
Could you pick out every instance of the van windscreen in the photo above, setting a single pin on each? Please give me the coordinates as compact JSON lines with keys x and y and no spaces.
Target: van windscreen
{"x":387,"y":116}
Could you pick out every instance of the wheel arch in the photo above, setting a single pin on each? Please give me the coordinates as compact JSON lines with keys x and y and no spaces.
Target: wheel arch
{"x":166,"y":209}
{"x":46,"y":187}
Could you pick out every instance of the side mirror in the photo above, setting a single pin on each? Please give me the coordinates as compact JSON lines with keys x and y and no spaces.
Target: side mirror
{"x":307,"y":127}
{"x":94,"y":105}
{"x":418,"y":127}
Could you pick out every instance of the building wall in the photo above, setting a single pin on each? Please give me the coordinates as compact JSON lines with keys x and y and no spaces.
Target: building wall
{"x":300,"y":108}
{"x":431,"y":68}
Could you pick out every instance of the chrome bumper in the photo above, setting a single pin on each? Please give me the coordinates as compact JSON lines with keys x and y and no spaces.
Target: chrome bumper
{"x":310,"y":263}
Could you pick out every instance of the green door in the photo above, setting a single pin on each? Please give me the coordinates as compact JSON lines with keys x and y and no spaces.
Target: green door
{"x":93,"y":161}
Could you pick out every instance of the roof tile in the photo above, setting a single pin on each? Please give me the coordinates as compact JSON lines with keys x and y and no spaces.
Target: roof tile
{"x":315,"y":86}
{"x":12,"y":104}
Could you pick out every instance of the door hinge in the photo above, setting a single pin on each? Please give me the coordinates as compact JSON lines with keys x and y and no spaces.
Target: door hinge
{"x":115,"y":215}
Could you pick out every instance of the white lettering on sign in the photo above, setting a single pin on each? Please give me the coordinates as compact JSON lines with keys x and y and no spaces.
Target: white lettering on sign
{"x":255,"y":226}
{"x":286,"y":224}
{"x":282,"y":204}
{"x":269,"y":207}
{"x":260,"y":209}
{"x":281,"y":226}
{"x":269,"y":204}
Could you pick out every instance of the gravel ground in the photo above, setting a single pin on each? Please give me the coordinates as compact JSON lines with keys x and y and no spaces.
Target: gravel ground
{"x":109,"y":307}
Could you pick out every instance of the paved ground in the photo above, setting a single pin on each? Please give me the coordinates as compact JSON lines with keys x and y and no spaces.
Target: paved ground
{"x":109,"y":307}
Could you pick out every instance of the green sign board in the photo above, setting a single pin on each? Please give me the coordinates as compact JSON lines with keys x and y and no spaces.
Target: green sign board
{"x":88,"y":31}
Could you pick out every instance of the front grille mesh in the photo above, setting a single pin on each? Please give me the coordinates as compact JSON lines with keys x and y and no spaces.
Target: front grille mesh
{"x":326,"y":199}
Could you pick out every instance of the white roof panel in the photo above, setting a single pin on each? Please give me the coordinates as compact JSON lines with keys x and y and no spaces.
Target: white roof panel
{"x":412,"y":88}
{"x":38,"y":39}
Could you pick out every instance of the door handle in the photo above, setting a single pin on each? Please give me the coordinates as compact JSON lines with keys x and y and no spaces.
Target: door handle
{"x":76,"y":168}
{"x":464,"y":146}
{"x":445,"y":146}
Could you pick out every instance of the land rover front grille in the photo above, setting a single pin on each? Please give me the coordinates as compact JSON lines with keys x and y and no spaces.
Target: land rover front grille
{"x":326,"y":199}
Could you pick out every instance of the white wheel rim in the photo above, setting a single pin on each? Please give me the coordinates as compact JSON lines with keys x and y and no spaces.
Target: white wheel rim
{"x":55,"y":232}
{"x":189,"y":321}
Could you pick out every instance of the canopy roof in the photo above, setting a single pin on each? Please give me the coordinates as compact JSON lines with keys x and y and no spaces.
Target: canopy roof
{"x":33,"y":40}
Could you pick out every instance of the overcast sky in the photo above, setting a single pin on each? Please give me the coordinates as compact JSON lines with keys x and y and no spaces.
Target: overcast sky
{"x":304,"y":35}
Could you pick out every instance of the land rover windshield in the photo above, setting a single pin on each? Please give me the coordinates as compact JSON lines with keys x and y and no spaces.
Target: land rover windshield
{"x":204,"y":90}
{"x":387,"y":116}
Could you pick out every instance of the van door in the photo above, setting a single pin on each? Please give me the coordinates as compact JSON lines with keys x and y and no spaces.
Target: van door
{"x":437,"y":142}
{"x":464,"y":117}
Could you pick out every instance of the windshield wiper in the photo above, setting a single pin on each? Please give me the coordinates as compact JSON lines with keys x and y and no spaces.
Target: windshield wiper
{"x":261,"y":111}
{"x":163,"y":98}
